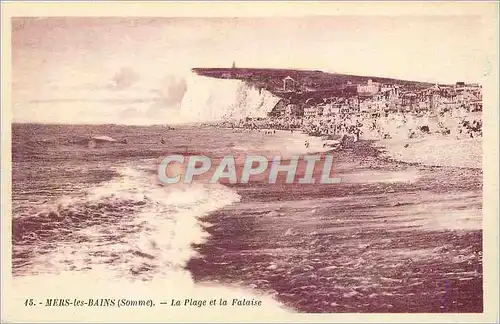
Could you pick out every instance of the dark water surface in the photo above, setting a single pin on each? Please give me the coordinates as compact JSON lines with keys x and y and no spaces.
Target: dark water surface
{"x":391,"y":237}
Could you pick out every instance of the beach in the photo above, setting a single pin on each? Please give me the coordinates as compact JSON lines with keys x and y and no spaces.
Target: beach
{"x":391,"y":237}
{"x":462,"y":153}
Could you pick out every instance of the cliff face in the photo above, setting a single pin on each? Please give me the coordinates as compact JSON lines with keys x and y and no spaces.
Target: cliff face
{"x":212,"y":99}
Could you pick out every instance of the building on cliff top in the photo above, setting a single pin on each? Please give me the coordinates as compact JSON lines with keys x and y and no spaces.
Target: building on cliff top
{"x":289,"y":84}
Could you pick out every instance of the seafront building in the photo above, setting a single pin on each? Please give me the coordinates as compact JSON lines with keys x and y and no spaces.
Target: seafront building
{"x":380,"y":110}
{"x":377,"y":98}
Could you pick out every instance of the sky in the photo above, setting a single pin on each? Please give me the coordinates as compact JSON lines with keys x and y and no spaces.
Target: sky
{"x":132,"y":70}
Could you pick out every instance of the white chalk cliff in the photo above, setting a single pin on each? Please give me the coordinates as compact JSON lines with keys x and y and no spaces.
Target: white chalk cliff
{"x":212,"y":99}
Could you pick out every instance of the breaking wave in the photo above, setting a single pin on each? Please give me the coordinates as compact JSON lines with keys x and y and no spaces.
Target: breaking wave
{"x":128,"y":234}
{"x":131,"y":225}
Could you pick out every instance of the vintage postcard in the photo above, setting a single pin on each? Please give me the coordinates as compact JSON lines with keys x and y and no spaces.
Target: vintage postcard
{"x":257,"y":162}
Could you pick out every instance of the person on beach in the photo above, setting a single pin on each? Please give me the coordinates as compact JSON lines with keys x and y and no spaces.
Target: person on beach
{"x":356,"y":134}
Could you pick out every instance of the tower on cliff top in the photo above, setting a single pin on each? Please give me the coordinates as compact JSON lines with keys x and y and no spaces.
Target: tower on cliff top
{"x":234,"y":65}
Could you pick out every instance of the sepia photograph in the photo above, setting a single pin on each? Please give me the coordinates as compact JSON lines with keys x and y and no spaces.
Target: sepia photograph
{"x":311,"y":164}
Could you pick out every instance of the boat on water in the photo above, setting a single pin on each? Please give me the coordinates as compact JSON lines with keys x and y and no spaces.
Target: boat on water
{"x":103,"y":139}
{"x":97,"y":141}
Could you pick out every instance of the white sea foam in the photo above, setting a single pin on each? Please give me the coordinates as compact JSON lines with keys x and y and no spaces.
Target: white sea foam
{"x":156,"y":238}
{"x":144,"y":253}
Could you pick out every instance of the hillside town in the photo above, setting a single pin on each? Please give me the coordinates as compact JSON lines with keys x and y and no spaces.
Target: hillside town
{"x":375,"y":97}
{"x":375,"y":110}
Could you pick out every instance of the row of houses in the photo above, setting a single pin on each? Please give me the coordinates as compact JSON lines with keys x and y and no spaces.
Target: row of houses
{"x":312,"y":108}
{"x":442,"y":98}
{"x":376,"y":98}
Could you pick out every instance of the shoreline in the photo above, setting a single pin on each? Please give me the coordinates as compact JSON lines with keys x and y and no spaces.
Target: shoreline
{"x":312,"y":247}
{"x":286,"y":241}
{"x":460,"y":153}
{"x":453,"y":152}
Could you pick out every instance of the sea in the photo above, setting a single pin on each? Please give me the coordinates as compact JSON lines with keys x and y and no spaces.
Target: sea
{"x":391,"y":237}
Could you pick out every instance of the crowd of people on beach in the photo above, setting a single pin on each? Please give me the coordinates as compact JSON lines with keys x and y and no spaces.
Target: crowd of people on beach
{"x":351,"y":127}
